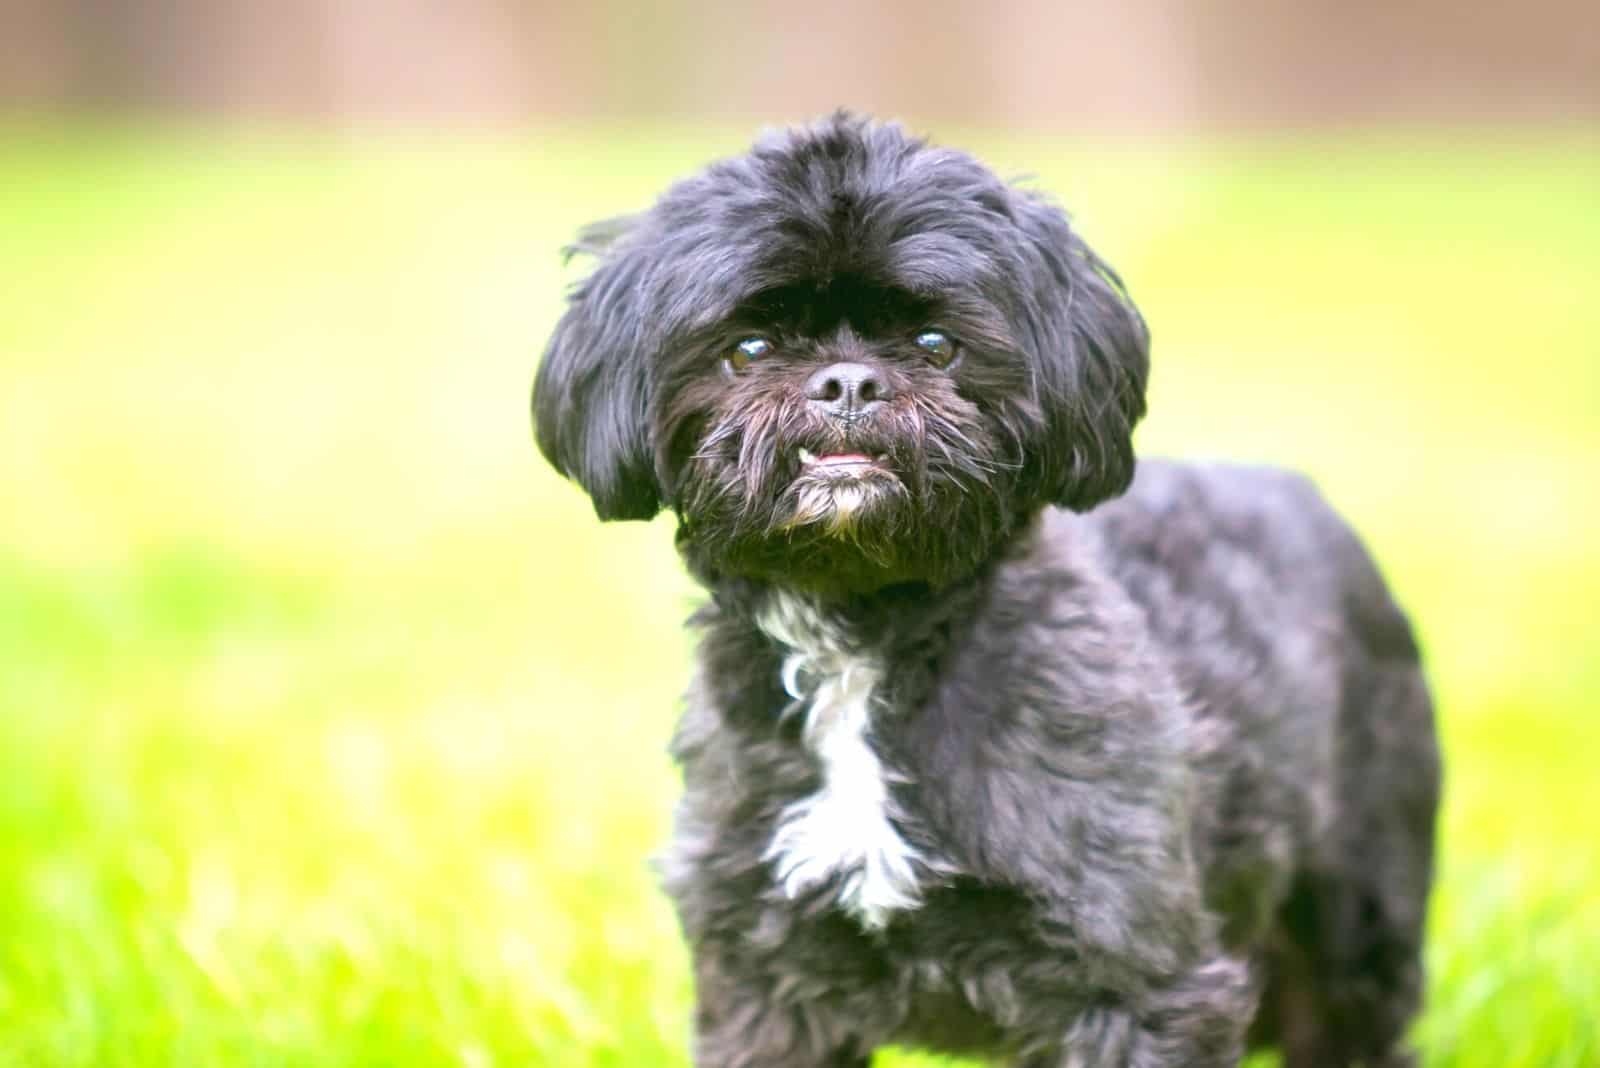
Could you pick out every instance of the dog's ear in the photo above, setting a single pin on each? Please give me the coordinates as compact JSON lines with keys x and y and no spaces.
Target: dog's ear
{"x":1093,"y":358}
{"x":591,"y":395}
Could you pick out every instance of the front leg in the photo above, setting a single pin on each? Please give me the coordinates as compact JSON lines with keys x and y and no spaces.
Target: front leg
{"x":744,"y":1019}
{"x":1197,"y":1021}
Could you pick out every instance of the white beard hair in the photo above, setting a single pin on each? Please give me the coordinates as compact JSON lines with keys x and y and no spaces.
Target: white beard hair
{"x":833,"y":504}
{"x":846,"y":827}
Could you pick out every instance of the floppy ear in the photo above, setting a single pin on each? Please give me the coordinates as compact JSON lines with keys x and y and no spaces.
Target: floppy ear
{"x":1093,"y":359}
{"x":591,"y":395}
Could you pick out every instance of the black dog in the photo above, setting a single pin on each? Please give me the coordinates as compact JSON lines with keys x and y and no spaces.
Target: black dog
{"x":968,"y":765}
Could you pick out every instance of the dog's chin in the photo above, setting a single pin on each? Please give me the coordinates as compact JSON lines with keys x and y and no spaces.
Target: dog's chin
{"x":843,"y":533}
{"x":841,"y":498}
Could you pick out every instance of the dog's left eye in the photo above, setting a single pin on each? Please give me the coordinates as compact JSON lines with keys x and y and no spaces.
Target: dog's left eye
{"x":940,"y":347}
{"x":751,"y":348}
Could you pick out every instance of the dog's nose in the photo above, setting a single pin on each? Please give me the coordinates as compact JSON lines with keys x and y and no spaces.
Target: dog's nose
{"x":847,"y":389}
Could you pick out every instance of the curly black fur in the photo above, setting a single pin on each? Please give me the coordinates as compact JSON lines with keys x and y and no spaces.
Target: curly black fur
{"x":1152,"y":768}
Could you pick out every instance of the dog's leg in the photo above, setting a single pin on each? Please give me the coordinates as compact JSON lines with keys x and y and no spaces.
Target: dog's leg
{"x":1359,"y":977}
{"x":1353,"y":925}
{"x":744,"y":1020}
{"x":1198,"y":1021}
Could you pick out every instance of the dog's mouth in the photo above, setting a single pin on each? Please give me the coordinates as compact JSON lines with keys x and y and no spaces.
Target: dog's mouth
{"x":841,"y":465}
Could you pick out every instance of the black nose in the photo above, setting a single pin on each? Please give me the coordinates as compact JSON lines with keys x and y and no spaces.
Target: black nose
{"x":847,"y":389}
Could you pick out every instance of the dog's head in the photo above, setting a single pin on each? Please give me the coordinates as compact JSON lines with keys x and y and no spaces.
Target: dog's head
{"x":845,"y":359}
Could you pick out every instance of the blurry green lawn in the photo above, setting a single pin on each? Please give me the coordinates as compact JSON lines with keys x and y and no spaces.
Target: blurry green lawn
{"x":332,"y":726}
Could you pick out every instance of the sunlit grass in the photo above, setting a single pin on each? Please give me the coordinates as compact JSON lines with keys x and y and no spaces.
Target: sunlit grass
{"x":332,"y":726}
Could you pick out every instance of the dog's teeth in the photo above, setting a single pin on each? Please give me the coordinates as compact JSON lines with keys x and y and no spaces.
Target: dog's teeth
{"x":806,"y":457}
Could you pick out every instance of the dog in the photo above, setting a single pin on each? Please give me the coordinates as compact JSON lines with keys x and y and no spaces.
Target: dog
{"x":996,"y":743}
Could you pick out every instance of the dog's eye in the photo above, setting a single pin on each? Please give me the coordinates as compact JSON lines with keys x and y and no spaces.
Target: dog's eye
{"x":751,"y":348}
{"x":940,"y":347}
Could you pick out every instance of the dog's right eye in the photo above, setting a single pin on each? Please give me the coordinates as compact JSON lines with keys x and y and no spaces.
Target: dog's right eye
{"x":751,"y":348}
{"x":940,"y":347}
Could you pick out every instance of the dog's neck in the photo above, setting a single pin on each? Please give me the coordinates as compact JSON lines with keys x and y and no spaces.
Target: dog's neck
{"x":887,"y":618}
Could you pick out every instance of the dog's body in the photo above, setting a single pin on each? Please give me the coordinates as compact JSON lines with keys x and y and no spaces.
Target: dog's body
{"x":963,"y":768}
{"x":1154,"y":756}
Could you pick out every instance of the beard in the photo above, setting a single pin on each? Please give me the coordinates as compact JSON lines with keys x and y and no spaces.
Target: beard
{"x":921,"y":490}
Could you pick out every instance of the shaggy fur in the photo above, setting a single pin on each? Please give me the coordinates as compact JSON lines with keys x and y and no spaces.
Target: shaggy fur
{"x":992,"y":746}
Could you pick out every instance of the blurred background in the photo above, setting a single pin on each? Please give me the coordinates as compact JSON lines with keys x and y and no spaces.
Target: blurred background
{"x":1142,"y":63}
{"x":332,"y":725}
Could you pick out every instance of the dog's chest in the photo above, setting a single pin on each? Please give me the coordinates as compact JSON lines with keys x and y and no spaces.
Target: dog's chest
{"x":844,"y":834}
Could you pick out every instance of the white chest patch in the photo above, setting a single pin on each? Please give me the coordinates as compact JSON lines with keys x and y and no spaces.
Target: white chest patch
{"x":845,"y":828}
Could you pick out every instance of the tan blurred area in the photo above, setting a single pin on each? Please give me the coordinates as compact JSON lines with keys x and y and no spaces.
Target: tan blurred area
{"x":1139,"y":63}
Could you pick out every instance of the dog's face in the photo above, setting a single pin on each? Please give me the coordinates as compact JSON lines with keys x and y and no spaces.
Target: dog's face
{"x":846,"y":359}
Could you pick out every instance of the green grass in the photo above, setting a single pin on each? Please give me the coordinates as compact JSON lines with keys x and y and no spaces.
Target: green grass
{"x":332,"y":727}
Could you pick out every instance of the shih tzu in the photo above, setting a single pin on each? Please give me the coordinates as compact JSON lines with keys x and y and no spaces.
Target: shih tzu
{"x":993,"y":746}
